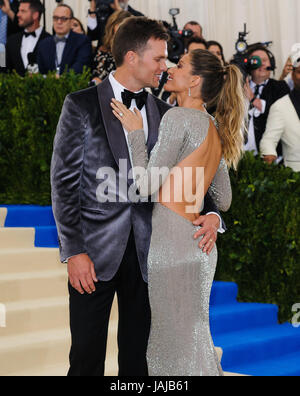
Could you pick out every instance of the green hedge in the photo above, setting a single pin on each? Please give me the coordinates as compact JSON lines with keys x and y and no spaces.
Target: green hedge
{"x":29,"y":112}
{"x":260,"y":250}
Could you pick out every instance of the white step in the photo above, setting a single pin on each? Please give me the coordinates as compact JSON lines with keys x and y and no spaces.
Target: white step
{"x":3,"y":214}
{"x":16,"y":238}
{"x":36,"y":315}
{"x":29,"y":259}
{"x":46,"y":353}
{"x":24,"y":286}
{"x":34,"y":351}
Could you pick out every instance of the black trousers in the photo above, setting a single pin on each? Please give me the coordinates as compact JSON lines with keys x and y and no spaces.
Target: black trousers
{"x":89,"y":319}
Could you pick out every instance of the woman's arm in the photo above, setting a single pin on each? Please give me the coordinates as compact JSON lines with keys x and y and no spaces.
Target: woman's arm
{"x":150,"y":174}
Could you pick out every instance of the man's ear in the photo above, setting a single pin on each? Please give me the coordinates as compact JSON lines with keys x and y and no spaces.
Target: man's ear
{"x":131,"y":57}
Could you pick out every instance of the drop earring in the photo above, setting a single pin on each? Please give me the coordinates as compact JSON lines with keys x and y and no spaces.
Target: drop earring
{"x":190,"y":93}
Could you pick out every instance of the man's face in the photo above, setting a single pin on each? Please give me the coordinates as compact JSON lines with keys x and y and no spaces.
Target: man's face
{"x":296,"y":78}
{"x":262,"y":73}
{"x":151,"y":63}
{"x":196,"y":29}
{"x":195,"y":46}
{"x":62,"y":21}
{"x":25,"y":16}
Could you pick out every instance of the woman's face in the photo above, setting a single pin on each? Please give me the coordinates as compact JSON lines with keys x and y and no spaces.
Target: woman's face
{"x":76,"y":27}
{"x":216,"y":50}
{"x":180,"y":77}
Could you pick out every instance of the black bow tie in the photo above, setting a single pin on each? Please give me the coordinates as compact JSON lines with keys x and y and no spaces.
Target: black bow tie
{"x":140,"y":98}
{"x":60,"y":39}
{"x":27,"y":34}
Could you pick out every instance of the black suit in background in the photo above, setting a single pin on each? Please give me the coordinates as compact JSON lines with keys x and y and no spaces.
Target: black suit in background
{"x":76,"y":55}
{"x":14,"y":59}
{"x":273,"y":91}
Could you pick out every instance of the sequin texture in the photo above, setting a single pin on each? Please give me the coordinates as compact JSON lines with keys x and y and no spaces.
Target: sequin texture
{"x":180,"y":274}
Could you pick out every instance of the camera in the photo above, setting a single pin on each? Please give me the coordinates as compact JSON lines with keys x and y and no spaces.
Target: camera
{"x":103,"y":9}
{"x":177,"y":42}
{"x":243,"y":61}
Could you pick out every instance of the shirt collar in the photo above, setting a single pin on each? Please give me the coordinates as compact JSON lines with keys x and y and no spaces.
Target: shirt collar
{"x":66,"y":36}
{"x":117,"y":87}
{"x":38,"y":31}
{"x":253,"y":84}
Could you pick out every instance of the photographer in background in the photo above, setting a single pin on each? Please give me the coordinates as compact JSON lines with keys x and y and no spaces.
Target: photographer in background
{"x":21,"y":48}
{"x":100,"y":11}
{"x":8,"y":19}
{"x":262,"y":92}
{"x":195,"y":27}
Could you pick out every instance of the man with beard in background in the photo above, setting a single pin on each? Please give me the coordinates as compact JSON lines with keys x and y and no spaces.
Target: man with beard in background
{"x":21,"y":47}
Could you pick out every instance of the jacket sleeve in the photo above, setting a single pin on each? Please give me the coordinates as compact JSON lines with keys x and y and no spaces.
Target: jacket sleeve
{"x":40,"y":59}
{"x":273,"y":133}
{"x":83,"y":56}
{"x":66,"y":170}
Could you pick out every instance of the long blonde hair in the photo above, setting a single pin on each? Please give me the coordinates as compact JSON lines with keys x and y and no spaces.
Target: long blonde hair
{"x":223,"y":87}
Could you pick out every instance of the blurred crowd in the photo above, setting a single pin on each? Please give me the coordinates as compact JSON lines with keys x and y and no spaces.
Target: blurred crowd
{"x":274,"y":105}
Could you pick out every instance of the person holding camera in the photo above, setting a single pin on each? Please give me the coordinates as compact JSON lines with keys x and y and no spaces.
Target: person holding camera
{"x":262,"y":92}
{"x":21,"y":48}
{"x":100,"y":11}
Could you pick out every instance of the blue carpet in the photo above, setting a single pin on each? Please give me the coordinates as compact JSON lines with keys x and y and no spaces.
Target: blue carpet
{"x":253,"y":342}
{"x":39,"y":217}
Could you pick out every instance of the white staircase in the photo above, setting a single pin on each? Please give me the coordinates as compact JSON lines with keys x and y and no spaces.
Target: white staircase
{"x":33,"y":290}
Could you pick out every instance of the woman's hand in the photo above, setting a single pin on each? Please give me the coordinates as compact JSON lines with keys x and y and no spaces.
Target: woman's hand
{"x":131,"y":121}
{"x":288,"y":68}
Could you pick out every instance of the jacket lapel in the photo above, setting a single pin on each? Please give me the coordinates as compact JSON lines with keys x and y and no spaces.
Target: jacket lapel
{"x":18,"y":44}
{"x":67,"y":51}
{"x":153,"y":117}
{"x":295,"y":101}
{"x":113,"y":128}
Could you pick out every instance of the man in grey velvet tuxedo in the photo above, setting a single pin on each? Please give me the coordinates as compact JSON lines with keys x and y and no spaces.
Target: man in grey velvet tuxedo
{"x":106,"y":243}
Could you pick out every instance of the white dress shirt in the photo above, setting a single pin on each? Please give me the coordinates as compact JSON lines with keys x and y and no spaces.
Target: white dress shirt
{"x":117,"y":90}
{"x":254,"y":112}
{"x":28,"y":45}
{"x":60,"y":47}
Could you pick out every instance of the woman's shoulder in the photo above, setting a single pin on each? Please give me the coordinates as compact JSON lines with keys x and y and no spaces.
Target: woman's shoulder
{"x":184,"y":114}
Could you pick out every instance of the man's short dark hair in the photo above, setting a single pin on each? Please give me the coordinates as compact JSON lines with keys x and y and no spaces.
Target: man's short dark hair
{"x":134,"y":34}
{"x":35,"y":6}
{"x":197,"y":40}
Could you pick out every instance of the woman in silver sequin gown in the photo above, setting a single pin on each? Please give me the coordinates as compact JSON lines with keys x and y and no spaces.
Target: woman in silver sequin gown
{"x":180,"y":273}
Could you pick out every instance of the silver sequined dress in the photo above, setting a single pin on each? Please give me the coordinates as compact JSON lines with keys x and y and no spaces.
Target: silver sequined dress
{"x":180,"y":275}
